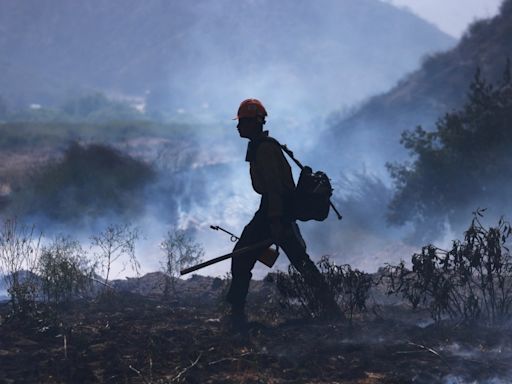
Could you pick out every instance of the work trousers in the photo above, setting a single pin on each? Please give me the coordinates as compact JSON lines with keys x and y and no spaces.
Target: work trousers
{"x":293,"y":245}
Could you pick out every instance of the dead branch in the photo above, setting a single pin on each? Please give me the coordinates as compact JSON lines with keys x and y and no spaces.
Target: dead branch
{"x":428,"y":349}
{"x":102,"y":282}
{"x":179,"y":375}
{"x":139,"y":373}
{"x":228,"y":359}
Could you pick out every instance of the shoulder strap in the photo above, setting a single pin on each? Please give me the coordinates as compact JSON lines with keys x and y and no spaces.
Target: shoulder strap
{"x":251,"y":150}
{"x":287,"y":151}
{"x":290,"y":153}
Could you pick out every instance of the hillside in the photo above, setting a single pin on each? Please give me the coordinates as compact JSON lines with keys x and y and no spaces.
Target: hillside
{"x":199,"y":56}
{"x":438,"y":86}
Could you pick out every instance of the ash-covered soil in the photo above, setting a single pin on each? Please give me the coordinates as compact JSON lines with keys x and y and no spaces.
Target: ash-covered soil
{"x":135,"y":335}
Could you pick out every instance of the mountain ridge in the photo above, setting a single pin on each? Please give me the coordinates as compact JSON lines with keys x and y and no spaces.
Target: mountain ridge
{"x":425,"y":95}
{"x":181,"y":55}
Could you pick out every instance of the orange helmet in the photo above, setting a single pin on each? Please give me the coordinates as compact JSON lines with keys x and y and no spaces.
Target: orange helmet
{"x":251,"y":108}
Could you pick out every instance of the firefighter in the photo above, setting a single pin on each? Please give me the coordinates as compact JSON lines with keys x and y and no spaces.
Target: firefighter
{"x":272,"y":178}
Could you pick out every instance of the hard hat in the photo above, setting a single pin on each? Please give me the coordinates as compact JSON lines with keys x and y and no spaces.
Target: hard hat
{"x":251,"y":108}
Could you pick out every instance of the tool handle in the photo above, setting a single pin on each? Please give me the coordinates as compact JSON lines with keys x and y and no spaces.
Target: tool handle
{"x":234,"y":238}
{"x":241,"y":251}
{"x":205,"y":264}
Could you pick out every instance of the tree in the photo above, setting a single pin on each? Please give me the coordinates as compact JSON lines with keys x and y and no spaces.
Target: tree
{"x":180,"y":252}
{"x":116,"y":243}
{"x":460,"y":165}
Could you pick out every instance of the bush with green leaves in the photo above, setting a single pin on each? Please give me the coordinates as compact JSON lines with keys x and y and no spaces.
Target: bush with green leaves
{"x":464,"y":162}
{"x":64,"y":270}
{"x":470,"y":282}
{"x":180,"y":251}
{"x":351,"y":289}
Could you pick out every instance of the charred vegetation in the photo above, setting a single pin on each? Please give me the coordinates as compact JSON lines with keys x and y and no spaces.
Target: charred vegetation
{"x":141,"y":332}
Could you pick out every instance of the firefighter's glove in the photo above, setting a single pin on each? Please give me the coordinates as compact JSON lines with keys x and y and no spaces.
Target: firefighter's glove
{"x":276,"y":230}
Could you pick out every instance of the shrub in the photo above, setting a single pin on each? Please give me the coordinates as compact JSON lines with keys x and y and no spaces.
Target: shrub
{"x":19,"y":252}
{"x":180,"y":252}
{"x":93,"y":180}
{"x":472,"y":281}
{"x":64,"y":270}
{"x":350,"y":286}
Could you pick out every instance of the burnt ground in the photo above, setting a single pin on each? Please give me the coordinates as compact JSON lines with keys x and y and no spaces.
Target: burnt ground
{"x":137,"y":336}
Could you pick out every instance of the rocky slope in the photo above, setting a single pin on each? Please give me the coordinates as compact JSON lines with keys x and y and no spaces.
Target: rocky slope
{"x":371,"y":133}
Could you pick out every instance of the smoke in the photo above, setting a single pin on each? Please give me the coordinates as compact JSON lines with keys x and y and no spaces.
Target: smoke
{"x":205,"y":181}
{"x":476,"y":362}
{"x":221,"y":194}
{"x":303,"y":60}
{"x":452,"y":379}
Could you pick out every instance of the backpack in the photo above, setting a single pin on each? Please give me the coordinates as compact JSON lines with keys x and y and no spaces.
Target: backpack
{"x":312,"y":195}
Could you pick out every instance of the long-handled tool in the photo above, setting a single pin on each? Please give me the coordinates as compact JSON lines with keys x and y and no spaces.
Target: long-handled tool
{"x":233,"y":238}
{"x":267,"y":257}
{"x":263,"y":245}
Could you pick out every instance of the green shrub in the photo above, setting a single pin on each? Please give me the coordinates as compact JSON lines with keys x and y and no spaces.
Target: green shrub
{"x":459,"y":164}
{"x":64,"y":270}
{"x":180,"y":252}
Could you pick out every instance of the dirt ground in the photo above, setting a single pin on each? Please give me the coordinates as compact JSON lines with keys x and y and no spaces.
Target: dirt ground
{"x":130,"y":337}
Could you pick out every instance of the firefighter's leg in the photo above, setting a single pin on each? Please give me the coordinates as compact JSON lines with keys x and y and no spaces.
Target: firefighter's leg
{"x":295,"y":248}
{"x":241,"y":266}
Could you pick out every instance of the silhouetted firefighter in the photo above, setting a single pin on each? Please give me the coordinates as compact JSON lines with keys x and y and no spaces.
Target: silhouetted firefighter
{"x":272,"y":178}
{"x":282,"y":203}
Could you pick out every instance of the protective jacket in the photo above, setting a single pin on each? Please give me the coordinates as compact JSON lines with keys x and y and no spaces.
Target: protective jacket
{"x":271,"y":177}
{"x":271,"y":174}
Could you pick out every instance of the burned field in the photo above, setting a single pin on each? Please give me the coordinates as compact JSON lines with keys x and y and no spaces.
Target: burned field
{"x":135,"y":335}
{"x":443,"y":318}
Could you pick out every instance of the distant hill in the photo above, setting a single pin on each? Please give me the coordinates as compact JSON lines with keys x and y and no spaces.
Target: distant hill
{"x":204,"y":55}
{"x":371,"y":134}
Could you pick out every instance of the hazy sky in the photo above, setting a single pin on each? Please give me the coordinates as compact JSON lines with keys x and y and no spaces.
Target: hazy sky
{"x":451,"y":16}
